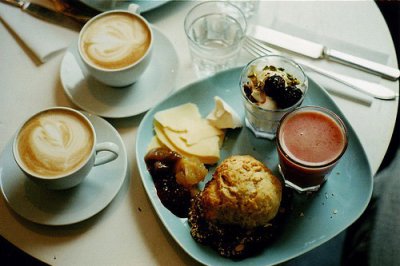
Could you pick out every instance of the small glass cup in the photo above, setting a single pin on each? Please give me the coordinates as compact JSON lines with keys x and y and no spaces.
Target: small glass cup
{"x":310,"y":141}
{"x":261,"y":121}
{"x":215,"y":31}
{"x":249,"y":7}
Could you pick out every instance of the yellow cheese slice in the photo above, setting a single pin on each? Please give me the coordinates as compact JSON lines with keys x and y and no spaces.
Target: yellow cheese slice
{"x":199,"y":131}
{"x":205,"y":147}
{"x":179,"y":118}
{"x":206,"y":150}
{"x":163,"y":138}
{"x":154,"y":143}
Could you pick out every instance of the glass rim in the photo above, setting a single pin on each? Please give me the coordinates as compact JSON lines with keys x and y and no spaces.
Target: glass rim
{"x":288,"y":60}
{"x":186,"y":26}
{"x":320,"y":109}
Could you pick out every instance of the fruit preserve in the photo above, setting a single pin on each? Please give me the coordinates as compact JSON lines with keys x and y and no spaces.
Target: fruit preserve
{"x":175,"y":178}
{"x":310,"y":141}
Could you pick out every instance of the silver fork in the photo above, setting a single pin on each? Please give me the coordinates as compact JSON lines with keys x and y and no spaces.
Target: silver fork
{"x":257,"y":49}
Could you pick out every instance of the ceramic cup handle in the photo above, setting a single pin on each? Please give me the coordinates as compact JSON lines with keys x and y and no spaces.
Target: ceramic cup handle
{"x":134,"y":8}
{"x":109,"y":152}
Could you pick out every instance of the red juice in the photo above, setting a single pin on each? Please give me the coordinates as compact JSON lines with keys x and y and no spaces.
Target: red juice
{"x":310,"y":142}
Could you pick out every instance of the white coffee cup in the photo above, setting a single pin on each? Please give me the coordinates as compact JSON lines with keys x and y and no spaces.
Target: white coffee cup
{"x":116,"y":46}
{"x":57,"y":148}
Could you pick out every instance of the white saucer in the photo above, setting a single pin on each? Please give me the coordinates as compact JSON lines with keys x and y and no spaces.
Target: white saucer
{"x":157,"y":83}
{"x":70,"y":206}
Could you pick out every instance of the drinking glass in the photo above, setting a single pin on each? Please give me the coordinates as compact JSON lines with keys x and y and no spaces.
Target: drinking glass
{"x":310,"y":142}
{"x":248,"y":7}
{"x":215,"y":31}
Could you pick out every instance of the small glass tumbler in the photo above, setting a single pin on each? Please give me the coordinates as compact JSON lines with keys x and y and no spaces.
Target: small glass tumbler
{"x":249,"y":7}
{"x":263,"y":121}
{"x":215,"y":31}
{"x":310,"y":141}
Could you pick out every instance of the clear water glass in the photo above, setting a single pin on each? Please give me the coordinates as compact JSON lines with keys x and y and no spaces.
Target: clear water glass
{"x":248,"y":7}
{"x":215,"y":31}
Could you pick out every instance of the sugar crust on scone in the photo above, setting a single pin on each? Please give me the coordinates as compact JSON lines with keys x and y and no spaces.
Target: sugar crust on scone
{"x":243,"y":191}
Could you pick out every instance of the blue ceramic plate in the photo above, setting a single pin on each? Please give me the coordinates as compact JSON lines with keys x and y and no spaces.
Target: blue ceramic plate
{"x":104,"y":5}
{"x":313,"y":221}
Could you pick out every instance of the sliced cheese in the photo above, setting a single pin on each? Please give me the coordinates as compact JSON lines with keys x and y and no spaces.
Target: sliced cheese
{"x":154,"y":143}
{"x":182,"y":129}
{"x":163,"y":138}
{"x":206,"y":150}
{"x":179,"y":118}
{"x":223,"y":116}
{"x":196,"y":132}
{"x":205,"y":147}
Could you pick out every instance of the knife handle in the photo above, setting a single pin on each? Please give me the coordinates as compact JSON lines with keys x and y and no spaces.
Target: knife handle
{"x":373,"y":89}
{"x":382,"y":70}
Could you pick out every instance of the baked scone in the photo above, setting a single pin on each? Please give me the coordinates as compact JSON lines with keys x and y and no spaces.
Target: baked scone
{"x":243,"y":191}
{"x":240,"y":209}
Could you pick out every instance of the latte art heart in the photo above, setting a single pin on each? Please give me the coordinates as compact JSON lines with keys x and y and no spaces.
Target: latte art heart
{"x":59,"y":142}
{"x":115,"y":41}
{"x":55,"y":143}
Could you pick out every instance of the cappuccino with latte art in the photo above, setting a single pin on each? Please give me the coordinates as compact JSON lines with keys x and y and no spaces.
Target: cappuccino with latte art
{"x":116,"y":46}
{"x":55,"y":143}
{"x":56,"y":148}
{"x":115,"y":41}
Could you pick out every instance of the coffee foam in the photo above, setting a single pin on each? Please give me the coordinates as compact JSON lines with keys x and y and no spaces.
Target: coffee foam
{"x":54,"y":143}
{"x":115,"y":41}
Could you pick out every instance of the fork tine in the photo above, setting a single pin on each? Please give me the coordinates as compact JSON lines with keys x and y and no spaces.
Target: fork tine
{"x":249,"y":48}
{"x":257,"y":48}
{"x":257,"y":45}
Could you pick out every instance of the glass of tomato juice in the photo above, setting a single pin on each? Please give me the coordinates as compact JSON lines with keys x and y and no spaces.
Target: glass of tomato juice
{"x":310,"y":142}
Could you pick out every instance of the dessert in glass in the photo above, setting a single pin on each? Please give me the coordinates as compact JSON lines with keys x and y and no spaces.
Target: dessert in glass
{"x":271,"y":86}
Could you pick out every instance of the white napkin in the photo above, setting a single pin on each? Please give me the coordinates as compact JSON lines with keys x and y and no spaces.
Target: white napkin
{"x":44,"y":39}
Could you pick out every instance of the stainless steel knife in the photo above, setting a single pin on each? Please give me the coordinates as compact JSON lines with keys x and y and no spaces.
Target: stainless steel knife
{"x":316,"y":50}
{"x":45,"y":13}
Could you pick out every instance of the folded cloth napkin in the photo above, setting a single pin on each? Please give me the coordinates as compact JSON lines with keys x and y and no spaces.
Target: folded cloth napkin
{"x":44,"y":39}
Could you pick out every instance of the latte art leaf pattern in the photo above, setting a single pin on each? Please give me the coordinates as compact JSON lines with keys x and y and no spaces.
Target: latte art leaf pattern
{"x":54,"y":144}
{"x":115,"y":41}
{"x":55,"y":134}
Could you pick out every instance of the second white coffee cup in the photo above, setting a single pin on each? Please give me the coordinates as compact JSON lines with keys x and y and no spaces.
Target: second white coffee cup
{"x":116,"y":46}
{"x":57,"y":148}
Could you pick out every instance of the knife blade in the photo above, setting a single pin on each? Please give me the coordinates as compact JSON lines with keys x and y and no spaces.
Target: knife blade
{"x":319,"y":51}
{"x":45,"y":13}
